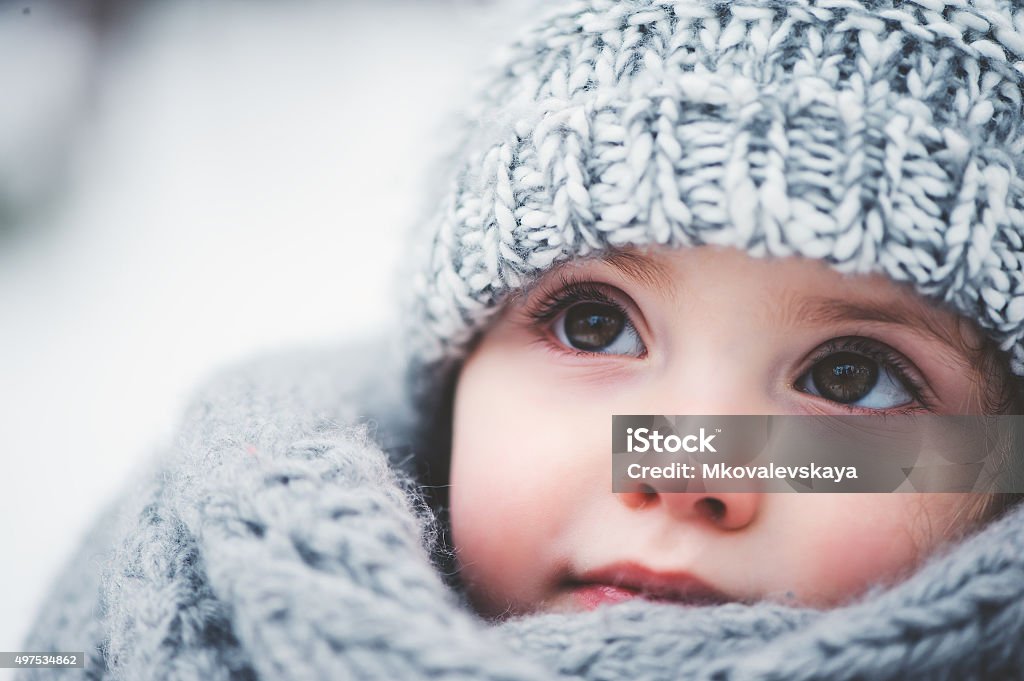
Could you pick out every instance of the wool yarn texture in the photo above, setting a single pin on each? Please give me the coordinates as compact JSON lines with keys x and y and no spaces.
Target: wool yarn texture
{"x":880,"y":136}
{"x":279,"y":537}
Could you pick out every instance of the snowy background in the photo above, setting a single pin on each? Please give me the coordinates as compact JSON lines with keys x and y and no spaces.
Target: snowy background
{"x":183,"y":184}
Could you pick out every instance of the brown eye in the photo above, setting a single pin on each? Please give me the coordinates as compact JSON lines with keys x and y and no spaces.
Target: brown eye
{"x":599,"y":328}
{"x":865,"y":374}
{"x":845,"y":377}
{"x":592,"y":326}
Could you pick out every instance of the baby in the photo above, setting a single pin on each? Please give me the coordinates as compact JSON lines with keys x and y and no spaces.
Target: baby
{"x":698,"y":208}
{"x":696,"y":331}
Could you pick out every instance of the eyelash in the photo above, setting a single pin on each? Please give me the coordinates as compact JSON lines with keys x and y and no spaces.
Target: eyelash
{"x":571,"y":291}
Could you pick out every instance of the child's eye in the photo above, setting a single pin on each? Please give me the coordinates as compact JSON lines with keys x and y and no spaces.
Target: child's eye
{"x":587,"y":317}
{"x":858,"y":373}
{"x":598,"y":327}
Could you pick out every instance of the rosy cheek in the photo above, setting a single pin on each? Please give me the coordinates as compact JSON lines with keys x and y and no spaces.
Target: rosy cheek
{"x":844,"y":557}
{"x":859,"y":560}
{"x":492,"y":533}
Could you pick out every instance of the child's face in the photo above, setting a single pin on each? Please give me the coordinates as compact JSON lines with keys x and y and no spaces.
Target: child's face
{"x":692,"y":331}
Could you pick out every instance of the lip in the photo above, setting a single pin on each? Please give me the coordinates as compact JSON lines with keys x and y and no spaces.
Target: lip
{"x":624,"y":581}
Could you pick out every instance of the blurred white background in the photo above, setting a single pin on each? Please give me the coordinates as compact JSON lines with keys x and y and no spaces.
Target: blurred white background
{"x":183,"y":184}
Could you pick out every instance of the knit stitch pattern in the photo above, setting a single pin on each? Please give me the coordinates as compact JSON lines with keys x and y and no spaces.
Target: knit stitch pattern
{"x":277,"y":539}
{"x":881,"y":136}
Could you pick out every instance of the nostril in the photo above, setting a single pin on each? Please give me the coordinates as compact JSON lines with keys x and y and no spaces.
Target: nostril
{"x":712,"y":508}
{"x":648,"y":496}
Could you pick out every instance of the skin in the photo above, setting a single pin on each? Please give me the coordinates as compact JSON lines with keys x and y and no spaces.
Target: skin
{"x":721,"y":333}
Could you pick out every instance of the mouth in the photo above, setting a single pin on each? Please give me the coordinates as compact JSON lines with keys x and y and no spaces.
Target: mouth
{"x":625,"y":581}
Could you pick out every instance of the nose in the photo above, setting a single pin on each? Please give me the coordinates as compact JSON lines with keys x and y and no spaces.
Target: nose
{"x":724,"y":511}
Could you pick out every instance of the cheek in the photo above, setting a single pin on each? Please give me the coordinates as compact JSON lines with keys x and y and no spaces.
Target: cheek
{"x":849,"y":542}
{"x":851,"y":560}
{"x":507,"y":505}
{"x":491,"y":532}
{"x":499,"y":506}
{"x":506,"y":458}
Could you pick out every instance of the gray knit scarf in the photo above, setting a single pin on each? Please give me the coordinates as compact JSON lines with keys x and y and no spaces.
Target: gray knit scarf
{"x":276,"y":539}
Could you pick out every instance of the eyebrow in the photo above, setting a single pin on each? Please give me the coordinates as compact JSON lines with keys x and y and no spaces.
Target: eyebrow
{"x":640,"y":268}
{"x":825,"y":310}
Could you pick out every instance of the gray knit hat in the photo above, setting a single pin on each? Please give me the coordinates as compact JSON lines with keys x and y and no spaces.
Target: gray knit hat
{"x":880,"y":136}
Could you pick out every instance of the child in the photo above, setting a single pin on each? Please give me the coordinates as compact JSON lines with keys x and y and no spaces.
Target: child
{"x":669,"y":207}
{"x":599,"y":340}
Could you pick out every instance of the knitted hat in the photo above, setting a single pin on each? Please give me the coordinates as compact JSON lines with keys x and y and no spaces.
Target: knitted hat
{"x":879,"y":136}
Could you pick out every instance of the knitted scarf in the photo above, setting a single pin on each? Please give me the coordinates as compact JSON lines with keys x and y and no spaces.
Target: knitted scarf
{"x":276,"y":538}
